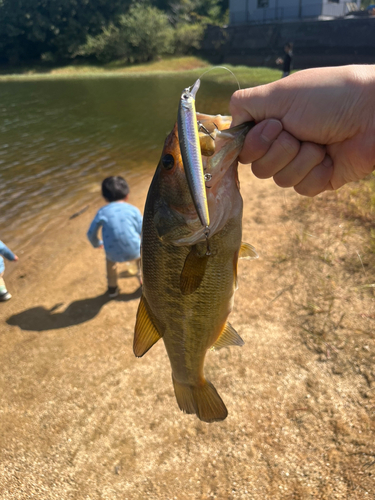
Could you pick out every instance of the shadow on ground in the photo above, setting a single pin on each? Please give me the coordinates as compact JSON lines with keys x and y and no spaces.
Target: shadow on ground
{"x":40,"y":319}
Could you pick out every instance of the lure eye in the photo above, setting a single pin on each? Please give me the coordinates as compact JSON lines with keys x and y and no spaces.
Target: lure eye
{"x":167,"y":161}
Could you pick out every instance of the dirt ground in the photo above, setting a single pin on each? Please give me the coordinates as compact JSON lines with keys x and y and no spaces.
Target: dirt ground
{"x":81,"y":418}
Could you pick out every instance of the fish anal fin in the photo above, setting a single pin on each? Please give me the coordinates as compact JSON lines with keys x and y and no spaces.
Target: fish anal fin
{"x":247,"y":251}
{"x":145,"y":332}
{"x":193,"y":272}
{"x":228,"y":337}
{"x":203,"y":400}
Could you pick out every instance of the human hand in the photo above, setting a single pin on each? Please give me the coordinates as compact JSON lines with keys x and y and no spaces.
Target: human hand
{"x":315,"y":128}
{"x":15,"y":258}
{"x":100,"y":246}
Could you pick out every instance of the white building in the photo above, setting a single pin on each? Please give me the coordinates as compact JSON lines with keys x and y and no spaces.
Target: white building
{"x":263,"y":11}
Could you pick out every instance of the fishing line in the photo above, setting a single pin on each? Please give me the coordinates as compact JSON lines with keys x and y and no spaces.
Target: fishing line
{"x":222,"y":67}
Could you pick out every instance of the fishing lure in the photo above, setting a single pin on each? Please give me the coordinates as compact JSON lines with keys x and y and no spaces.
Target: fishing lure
{"x":188,"y":135}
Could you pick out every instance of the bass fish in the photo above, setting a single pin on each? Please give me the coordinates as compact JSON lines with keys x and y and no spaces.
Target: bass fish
{"x":187,"y":291}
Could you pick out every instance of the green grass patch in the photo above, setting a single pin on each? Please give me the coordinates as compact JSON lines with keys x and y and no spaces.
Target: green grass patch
{"x":357,"y":201}
{"x":195,"y":66}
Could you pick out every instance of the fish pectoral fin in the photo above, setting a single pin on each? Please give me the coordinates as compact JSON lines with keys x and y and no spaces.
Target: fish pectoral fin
{"x":193,"y":272}
{"x":145,"y":332}
{"x":247,"y":251}
{"x":203,"y":400}
{"x":228,"y":337}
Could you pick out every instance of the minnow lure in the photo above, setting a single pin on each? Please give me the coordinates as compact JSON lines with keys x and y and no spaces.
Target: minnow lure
{"x":188,"y":136}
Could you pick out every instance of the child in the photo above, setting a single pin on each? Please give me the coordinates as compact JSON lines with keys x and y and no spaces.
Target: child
{"x":8,"y":254}
{"x":121,"y":229}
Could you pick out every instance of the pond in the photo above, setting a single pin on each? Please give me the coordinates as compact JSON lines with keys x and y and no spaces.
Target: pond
{"x":60,"y":138}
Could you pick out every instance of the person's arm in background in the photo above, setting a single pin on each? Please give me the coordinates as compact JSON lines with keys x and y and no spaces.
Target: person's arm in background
{"x":315,"y":129}
{"x":139,"y":221}
{"x":7,"y":253}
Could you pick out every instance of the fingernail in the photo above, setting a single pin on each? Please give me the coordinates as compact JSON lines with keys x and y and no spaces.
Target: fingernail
{"x":327,"y":162}
{"x":271,"y":130}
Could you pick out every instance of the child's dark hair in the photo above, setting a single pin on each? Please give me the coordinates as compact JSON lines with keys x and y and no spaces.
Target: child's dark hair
{"x":115,"y":188}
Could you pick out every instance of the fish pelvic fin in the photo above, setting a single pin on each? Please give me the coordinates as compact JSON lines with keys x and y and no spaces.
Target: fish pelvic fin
{"x":145,"y":332}
{"x":203,"y":400}
{"x":248,"y":252}
{"x":228,"y":337}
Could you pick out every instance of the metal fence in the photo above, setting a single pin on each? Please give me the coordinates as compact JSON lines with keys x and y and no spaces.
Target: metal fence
{"x":301,"y":11}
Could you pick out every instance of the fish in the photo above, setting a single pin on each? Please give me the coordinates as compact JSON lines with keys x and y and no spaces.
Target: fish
{"x":188,"y":136}
{"x":187,"y":292}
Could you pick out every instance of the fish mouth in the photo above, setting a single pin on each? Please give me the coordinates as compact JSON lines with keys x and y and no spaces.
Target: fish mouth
{"x":228,"y":144}
{"x":220,"y":124}
{"x":237,"y":131}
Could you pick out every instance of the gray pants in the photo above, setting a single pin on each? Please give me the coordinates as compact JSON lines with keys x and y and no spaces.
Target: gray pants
{"x":112,"y":272}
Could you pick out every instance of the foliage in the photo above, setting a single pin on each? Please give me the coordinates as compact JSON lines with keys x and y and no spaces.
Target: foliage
{"x":188,"y":37}
{"x":109,"y":45}
{"x":141,"y":35}
{"x":203,"y":11}
{"x":367,"y":3}
{"x":148,"y":32}
{"x":29,"y":28}
{"x":58,"y":30}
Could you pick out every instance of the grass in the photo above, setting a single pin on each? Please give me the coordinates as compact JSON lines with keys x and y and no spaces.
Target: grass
{"x":194,"y":65}
{"x":336,"y":312}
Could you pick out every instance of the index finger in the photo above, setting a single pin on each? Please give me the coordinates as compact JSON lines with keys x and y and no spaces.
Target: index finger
{"x":236,"y":108}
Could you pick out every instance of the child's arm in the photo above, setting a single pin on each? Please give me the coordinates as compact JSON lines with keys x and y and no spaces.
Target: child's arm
{"x":92,"y":233}
{"x":139,"y":222}
{"x":5,"y":252}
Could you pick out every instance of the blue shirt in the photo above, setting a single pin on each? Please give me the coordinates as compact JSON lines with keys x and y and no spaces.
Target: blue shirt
{"x":121,"y":225}
{"x":5,"y":252}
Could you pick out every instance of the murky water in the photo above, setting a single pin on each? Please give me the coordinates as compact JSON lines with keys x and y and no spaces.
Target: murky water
{"x":60,"y":138}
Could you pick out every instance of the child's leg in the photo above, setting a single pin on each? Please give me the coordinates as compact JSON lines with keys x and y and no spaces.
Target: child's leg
{"x":3,"y":288}
{"x":4,"y":294}
{"x":111,"y":274}
{"x":139,"y":273}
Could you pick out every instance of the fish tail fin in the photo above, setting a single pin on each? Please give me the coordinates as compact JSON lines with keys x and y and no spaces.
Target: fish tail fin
{"x":203,"y":400}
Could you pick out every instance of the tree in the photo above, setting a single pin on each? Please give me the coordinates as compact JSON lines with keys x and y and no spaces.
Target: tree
{"x":30,"y":28}
{"x":140,"y":35}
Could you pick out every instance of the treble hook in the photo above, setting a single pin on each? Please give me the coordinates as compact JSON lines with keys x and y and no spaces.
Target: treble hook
{"x":207,"y":234}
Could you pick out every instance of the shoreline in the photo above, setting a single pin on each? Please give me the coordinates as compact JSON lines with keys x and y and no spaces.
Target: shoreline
{"x":190,"y":65}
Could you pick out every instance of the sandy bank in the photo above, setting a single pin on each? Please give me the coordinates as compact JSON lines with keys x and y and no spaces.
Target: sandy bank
{"x":82,"y":418}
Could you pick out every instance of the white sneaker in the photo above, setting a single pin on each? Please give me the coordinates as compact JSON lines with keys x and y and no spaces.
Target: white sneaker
{"x":5,"y":296}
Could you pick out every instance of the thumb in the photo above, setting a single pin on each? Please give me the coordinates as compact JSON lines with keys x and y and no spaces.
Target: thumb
{"x":271,"y":100}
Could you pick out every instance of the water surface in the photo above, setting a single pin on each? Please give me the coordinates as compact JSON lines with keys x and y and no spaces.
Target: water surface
{"x":60,"y":138}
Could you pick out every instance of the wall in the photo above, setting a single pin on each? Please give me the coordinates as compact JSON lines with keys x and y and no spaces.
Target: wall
{"x":247,"y":10}
{"x":316,"y":43}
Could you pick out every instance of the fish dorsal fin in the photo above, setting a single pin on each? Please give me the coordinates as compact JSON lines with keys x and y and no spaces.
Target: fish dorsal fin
{"x":193,"y":272}
{"x":145,"y":332}
{"x":228,"y":337}
{"x":247,"y":251}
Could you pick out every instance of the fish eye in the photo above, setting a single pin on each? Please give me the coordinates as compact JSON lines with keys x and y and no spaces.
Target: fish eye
{"x":167,"y":161}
